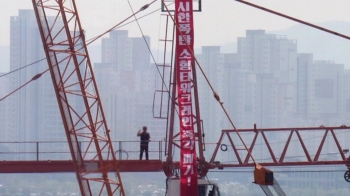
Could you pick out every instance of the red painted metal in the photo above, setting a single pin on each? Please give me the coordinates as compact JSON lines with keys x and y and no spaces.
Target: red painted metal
{"x":132,"y":166}
{"x":269,"y":147}
{"x":68,"y":166}
{"x":250,"y":149}
{"x":294,"y":163}
{"x":338,"y":145}
{"x":76,"y":63}
{"x":286,"y":146}
{"x":281,"y":161}
{"x":184,"y":60}
{"x":159,"y":165}
{"x":73,"y":80}
{"x":234,"y":149}
{"x":173,"y":138}
{"x":304,"y":147}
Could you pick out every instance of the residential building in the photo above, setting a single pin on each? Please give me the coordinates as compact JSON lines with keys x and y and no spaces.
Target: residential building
{"x":126,"y":83}
{"x":211,"y":61}
{"x":4,"y":109}
{"x":34,"y":114}
{"x":271,"y":64}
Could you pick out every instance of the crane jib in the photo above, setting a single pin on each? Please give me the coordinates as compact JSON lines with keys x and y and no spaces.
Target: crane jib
{"x":184,"y":60}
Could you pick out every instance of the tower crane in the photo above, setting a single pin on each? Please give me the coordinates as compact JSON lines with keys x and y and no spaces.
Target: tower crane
{"x":84,"y":120}
{"x":78,"y":97}
{"x":80,"y":104}
{"x":184,"y":76}
{"x":184,"y":79}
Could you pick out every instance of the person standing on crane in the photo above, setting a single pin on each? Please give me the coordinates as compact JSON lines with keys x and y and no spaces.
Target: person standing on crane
{"x":144,"y":139}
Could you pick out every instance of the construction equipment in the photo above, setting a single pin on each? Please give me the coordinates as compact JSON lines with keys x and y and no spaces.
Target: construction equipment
{"x":73,"y":79}
{"x":262,"y":176}
{"x":74,"y":83}
{"x":205,"y":187}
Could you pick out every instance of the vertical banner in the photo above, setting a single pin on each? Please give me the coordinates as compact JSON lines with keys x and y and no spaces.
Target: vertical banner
{"x":183,"y":61}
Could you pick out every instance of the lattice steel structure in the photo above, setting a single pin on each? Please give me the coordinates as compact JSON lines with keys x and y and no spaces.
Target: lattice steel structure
{"x":78,"y":98}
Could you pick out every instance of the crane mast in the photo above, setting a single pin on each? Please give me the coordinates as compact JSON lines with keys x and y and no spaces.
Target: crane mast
{"x":184,"y":59}
{"x":193,"y":167}
{"x":184,"y":81}
{"x":78,"y":99}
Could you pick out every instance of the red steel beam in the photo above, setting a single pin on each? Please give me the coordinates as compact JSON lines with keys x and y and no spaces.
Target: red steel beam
{"x":296,"y":163}
{"x":304,"y":147}
{"x":158,"y":165}
{"x":343,"y":127}
{"x":131,"y":165}
{"x":328,"y":133}
{"x":68,"y":166}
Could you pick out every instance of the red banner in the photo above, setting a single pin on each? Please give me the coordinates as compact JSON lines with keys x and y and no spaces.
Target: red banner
{"x":184,"y":59}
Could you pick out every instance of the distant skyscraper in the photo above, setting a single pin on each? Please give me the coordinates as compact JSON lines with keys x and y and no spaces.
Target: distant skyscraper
{"x":212,"y":63}
{"x":34,"y":115}
{"x":304,"y":63}
{"x":270,"y":62}
{"x":126,"y":82}
{"x":4,"y":109}
{"x":25,"y":48}
{"x":325,"y":93}
{"x":125,"y":53}
{"x":346,"y":82}
{"x":321,"y":91}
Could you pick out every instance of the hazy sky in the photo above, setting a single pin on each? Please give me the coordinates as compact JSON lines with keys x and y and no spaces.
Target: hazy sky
{"x":221,"y":20}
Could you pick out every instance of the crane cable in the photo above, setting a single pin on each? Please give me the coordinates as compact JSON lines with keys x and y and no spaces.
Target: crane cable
{"x":155,"y":63}
{"x":86,"y":40}
{"x":22,"y":67}
{"x":294,"y":19}
{"x":133,"y":15}
{"x":31,"y":80}
{"x":149,"y":49}
{"x":34,"y":78}
{"x":90,"y":41}
{"x":119,"y":25}
{"x":216,"y":95}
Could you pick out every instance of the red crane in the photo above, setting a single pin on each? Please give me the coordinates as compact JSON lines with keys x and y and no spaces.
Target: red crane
{"x":78,"y":98}
{"x":262,"y":176}
{"x":74,"y":82}
{"x":187,"y":139}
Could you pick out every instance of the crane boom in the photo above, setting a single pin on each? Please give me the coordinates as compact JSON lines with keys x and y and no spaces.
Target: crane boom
{"x":77,"y":95}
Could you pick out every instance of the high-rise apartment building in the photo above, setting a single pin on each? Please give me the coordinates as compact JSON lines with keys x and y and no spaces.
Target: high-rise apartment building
{"x":321,"y":92}
{"x":347,"y":96}
{"x":126,"y":83}
{"x":34,"y":113}
{"x":125,"y":53}
{"x":212,"y":62}
{"x":4,"y":108}
{"x":268,"y":64}
{"x":304,"y":62}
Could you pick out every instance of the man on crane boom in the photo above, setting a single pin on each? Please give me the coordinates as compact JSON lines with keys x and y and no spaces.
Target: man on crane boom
{"x":144,"y":140}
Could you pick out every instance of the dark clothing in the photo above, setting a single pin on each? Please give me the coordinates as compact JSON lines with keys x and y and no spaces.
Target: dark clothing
{"x":144,"y":137}
{"x":143,"y":148}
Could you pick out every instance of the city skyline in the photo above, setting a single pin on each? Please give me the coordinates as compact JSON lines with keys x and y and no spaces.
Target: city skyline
{"x":260,"y":84}
{"x":98,"y":17}
{"x":230,"y":25}
{"x":308,"y":43}
{"x":265,"y":83}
